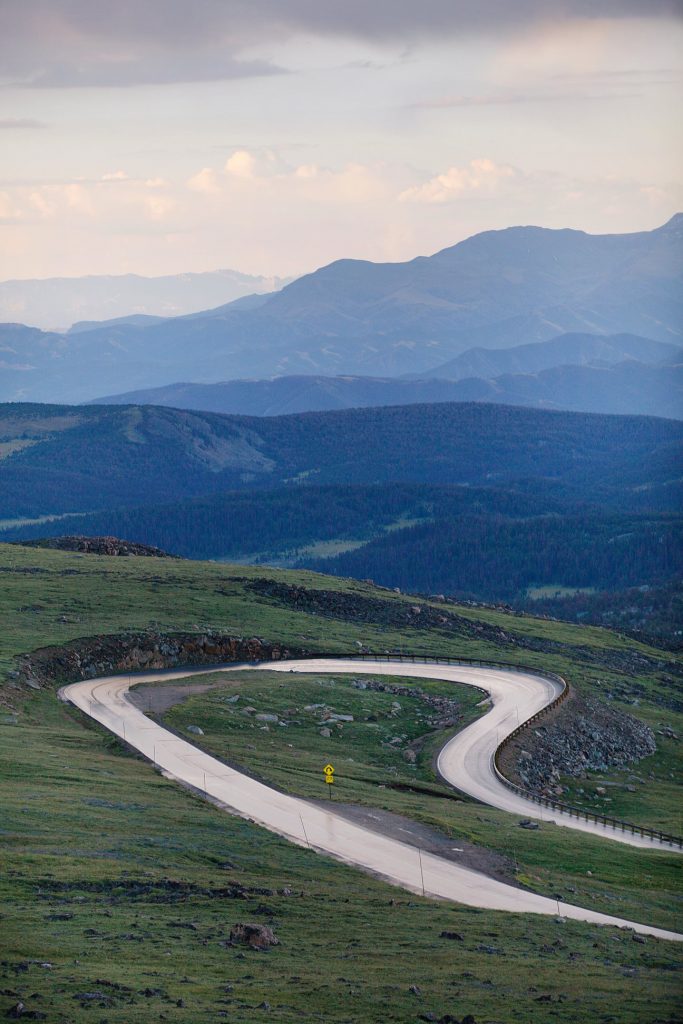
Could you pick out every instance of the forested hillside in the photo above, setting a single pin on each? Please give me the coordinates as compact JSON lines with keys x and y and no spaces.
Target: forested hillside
{"x":61,"y":459}
{"x":275,"y":524}
{"x":475,"y":555}
{"x":487,"y":502}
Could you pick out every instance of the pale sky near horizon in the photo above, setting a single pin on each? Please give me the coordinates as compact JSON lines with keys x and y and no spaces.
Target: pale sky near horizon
{"x":273,"y":136}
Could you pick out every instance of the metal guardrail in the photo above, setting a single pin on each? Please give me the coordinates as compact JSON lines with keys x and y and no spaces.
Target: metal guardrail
{"x":557,"y":805}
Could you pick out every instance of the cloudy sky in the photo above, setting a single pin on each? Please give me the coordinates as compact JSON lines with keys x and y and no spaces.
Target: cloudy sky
{"x":272,"y":136}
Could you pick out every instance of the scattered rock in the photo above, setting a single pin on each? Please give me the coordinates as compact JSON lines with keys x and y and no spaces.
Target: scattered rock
{"x":445,"y":711}
{"x":415,"y":990}
{"x":264,"y":717}
{"x":534,"y":825}
{"x":326,"y":733}
{"x":456,"y":936}
{"x":638,"y":938}
{"x":582,"y":735}
{"x":195,"y":730}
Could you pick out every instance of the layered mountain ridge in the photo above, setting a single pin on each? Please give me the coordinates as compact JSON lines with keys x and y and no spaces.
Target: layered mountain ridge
{"x":496,"y":290}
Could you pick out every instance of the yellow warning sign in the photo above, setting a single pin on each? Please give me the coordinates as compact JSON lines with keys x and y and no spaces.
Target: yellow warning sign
{"x":329,"y":774}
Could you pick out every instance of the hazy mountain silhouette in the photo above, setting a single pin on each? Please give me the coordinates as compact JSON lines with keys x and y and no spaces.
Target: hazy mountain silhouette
{"x":628,"y":386}
{"x":498,"y":289}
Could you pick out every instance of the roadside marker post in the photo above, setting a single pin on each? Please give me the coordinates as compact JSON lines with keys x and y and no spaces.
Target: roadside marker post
{"x":328,"y":771}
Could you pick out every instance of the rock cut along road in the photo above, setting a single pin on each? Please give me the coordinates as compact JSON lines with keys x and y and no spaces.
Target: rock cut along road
{"x":465,"y":762}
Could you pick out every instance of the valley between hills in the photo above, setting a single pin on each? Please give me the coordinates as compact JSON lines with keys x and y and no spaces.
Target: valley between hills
{"x":473,"y":456}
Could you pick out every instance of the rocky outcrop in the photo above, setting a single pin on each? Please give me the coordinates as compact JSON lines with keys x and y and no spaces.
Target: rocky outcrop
{"x":97,"y":546}
{"x":354,"y":606}
{"x":134,"y":652}
{"x":351,"y":606}
{"x":582,"y":735}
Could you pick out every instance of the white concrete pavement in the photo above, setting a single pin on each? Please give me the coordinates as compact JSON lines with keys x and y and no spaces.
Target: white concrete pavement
{"x":465,"y":761}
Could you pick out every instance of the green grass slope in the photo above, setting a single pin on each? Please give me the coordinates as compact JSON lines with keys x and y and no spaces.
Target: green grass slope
{"x":127,"y":886}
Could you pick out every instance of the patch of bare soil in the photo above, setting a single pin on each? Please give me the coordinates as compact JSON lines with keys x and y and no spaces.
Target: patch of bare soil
{"x":427,"y":839}
{"x":161,"y":697}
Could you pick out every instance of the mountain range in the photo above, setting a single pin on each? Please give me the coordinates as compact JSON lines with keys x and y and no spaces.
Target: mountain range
{"x":496,"y":290}
{"x":57,"y":302}
{"x":584,"y":373}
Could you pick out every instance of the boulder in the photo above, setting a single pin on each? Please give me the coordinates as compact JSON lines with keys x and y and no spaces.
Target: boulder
{"x":258,"y":936}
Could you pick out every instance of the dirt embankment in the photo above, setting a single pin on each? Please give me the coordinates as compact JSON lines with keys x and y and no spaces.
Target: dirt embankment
{"x":135,"y":652}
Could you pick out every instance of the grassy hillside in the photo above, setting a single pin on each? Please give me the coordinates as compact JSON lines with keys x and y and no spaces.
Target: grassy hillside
{"x":128,"y":886}
{"x":51,"y":597}
{"x":120,"y":890}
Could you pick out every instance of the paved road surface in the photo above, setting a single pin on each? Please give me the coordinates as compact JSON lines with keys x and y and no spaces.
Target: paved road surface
{"x":463,"y":761}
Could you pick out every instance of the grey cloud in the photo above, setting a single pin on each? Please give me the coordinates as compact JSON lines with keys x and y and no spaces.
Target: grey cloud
{"x":52,"y":43}
{"x":407,"y":20}
{"x":151,"y":71}
{"x":11,"y":123}
{"x":516,"y":98}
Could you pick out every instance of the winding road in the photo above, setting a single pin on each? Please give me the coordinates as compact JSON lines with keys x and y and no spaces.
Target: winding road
{"x":465,"y":761}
